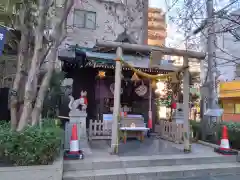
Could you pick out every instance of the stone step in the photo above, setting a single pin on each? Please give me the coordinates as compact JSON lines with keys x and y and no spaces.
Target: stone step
{"x":157,"y":172}
{"x":144,"y":161}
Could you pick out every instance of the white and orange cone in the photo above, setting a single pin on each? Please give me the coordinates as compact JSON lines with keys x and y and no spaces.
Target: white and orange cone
{"x":74,"y":144}
{"x":224,"y":141}
{"x":224,"y":147}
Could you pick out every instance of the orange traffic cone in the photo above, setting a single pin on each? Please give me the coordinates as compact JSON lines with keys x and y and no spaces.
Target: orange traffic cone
{"x":224,"y":147}
{"x":74,"y":144}
{"x":224,"y":140}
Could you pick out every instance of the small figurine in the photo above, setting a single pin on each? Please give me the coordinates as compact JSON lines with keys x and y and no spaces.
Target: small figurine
{"x":83,"y":100}
{"x":132,"y":125}
{"x":74,"y":104}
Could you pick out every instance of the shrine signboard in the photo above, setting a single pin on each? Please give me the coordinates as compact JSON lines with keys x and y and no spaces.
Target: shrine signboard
{"x":2,"y":38}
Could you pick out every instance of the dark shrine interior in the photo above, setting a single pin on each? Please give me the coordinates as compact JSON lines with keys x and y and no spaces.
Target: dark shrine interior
{"x":101,"y":97}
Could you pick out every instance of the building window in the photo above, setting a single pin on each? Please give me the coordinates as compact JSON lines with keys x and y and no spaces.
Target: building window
{"x":228,"y":108}
{"x":237,"y":108}
{"x":84,"y":19}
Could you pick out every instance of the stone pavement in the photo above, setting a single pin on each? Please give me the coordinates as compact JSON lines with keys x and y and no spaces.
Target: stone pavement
{"x":150,"y":146}
{"x":223,"y":177}
{"x":154,"y":159}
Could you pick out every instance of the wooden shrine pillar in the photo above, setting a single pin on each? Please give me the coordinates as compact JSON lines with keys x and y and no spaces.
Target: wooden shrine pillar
{"x":164,"y":51}
{"x":186,"y":92}
{"x":116,"y":108}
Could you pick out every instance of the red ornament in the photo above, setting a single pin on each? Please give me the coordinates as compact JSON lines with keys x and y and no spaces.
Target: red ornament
{"x":123,"y":114}
{"x":84,"y":99}
{"x":174,"y":105}
{"x":150,"y":123}
{"x":83,"y":96}
{"x":150,"y":119}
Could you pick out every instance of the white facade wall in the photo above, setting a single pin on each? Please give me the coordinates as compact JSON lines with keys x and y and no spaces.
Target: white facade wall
{"x":109,"y":15}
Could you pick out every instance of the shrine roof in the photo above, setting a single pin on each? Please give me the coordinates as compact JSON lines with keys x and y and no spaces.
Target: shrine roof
{"x":123,"y":37}
{"x":88,"y":57}
{"x":104,"y":57}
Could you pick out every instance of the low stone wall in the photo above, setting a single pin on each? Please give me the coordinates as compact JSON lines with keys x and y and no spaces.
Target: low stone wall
{"x":43,"y":172}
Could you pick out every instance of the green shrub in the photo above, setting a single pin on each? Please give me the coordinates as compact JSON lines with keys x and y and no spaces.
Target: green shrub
{"x":233,"y":132}
{"x":196,"y":128}
{"x":33,"y":146}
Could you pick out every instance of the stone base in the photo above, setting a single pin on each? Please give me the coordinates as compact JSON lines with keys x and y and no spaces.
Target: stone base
{"x":84,"y":146}
{"x":81,"y":136}
{"x":77,"y":113}
{"x":79,"y":117}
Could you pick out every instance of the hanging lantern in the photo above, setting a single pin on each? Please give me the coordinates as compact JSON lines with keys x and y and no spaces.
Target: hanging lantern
{"x":141,"y":90}
{"x":101,"y":74}
{"x":153,"y":84}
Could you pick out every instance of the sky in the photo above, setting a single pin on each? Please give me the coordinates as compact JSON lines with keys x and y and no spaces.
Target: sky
{"x":174,"y":38}
{"x":157,"y":3}
{"x":162,"y":4}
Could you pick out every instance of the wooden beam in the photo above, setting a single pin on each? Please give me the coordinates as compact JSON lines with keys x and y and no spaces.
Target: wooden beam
{"x":186,"y":127}
{"x":117,"y":96}
{"x":146,"y":48}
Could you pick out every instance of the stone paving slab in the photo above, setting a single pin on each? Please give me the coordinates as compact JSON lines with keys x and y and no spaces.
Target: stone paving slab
{"x":145,"y":161}
{"x":158,"y":172}
{"x":222,"y":177}
{"x":153,"y":157}
{"x":151,"y":146}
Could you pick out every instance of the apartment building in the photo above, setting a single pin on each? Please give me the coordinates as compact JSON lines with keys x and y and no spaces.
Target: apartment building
{"x":94,"y":20}
{"x":156,"y":27}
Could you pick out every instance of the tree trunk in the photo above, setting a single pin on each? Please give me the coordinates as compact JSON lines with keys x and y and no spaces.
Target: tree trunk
{"x":30,"y":87}
{"x":44,"y":87}
{"x":22,"y":56}
{"x":58,"y":38}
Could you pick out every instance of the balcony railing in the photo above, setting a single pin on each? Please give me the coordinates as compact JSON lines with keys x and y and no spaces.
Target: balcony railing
{"x":157,"y":26}
{"x":156,"y":18}
{"x":157,"y":35}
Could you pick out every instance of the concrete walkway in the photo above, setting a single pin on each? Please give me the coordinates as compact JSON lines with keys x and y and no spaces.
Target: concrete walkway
{"x":153,"y":159}
{"x":226,"y":177}
{"x":150,"y":146}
